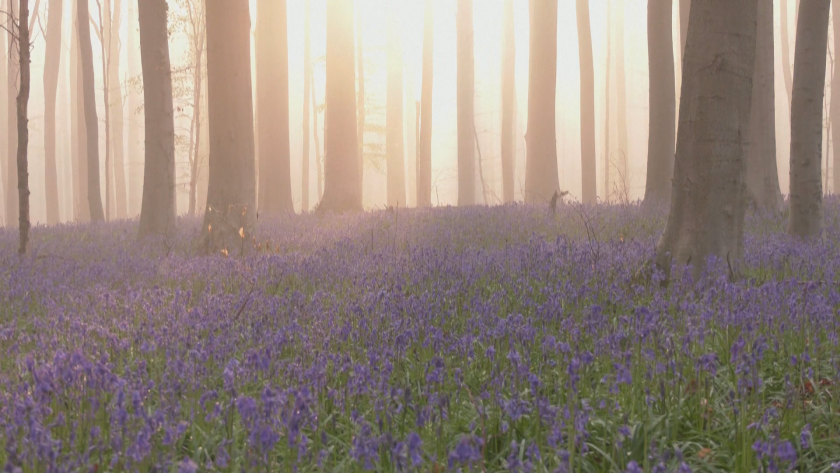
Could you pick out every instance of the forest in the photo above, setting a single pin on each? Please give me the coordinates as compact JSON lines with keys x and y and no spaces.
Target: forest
{"x":419,"y":235}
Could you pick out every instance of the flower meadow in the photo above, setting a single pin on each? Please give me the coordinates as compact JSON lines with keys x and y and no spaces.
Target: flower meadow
{"x":480,"y":339}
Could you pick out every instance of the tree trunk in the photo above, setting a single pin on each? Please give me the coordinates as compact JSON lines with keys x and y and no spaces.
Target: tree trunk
{"x":424,"y":148}
{"x":318,"y":160}
{"x":587,"y":104}
{"x":307,"y":72}
{"x":91,"y":121}
{"x":135,"y":102}
{"x":273,"y":111}
{"x":157,"y":215}
{"x":394,"y":115}
{"x":785,"y":25}
{"x":360,"y":98}
{"x":230,"y":219}
{"x":806,"y":119}
{"x":662,"y":101}
{"x":685,"y":13}
{"x":51,"y":69}
{"x":198,"y":98}
{"x":4,"y":128}
{"x":622,"y":178}
{"x":762,"y":174}
{"x":104,"y":35}
{"x":78,"y":130}
{"x":342,"y":180}
{"x":708,"y":198}
{"x":13,"y":67}
{"x":835,"y":101}
{"x":608,"y":183}
{"x":508,"y":102}
{"x":116,"y":113}
{"x":23,"y":124}
{"x":466,"y":103}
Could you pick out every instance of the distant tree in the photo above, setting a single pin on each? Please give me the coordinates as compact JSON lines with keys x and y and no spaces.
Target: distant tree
{"x":51,"y":69}
{"x":12,"y":69}
{"x":307,"y":91}
{"x":230,"y":218}
{"x":78,"y":131}
{"x":662,"y":102}
{"x":273,"y":112}
{"x":622,"y":179}
{"x":94,"y":195}
{"x":708,"y":199}
{"x":587,"y":104}
{"x":608,"y":187}
{"x":762,"y":174}
{"x":24,"y":48}
{"x":134,"y":97}
{"x":424,"y":147}
{"x":466,"y":103}
{"x":342,"y":181}
{"x":157,"y":214}
{"x":806,"y":119}
{"x":394,"y":114}
{"x":508,"y":101}
{"x":112,"y":33}
{"x":360,"y":95}
{"x":103,"y":33}
{"x":835,"y":98}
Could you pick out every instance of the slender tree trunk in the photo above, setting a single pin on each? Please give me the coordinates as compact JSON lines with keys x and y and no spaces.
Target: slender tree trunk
{"x":307,"y":72}
{"x":195,"y":127}
{"x":608,"y":184}
{"x":104,"y":35}
{"x":273,"y":111}
{"x":230,"y":219}
{"x":587,"y":104}
{"x":762,"y":174}
{"x":662,"y":101}
{"x":394,"y":115}
{"x":23,"y":124}
{"x":786,"y":72}
{"x":424,"y":148}
{"x":685,"y":13}
{"x":622,"y":170}
{"x":807,"y":119}
{"x":91,"y":122}
{"x":116,"y":104}
{"x":466,"y":103}
{"x":13,"y":68}
{"x":835,"y":100}
{"x":508,"y":102}
{"x":318,"y":159}
{"x":51,"y":70}
{"x":360,"y":98}
{"x":708,"y":196}
{"x":342,"y":180}
{"x":4,"y":127}
{"x":135,"y":101}
{"x":79,"y":130}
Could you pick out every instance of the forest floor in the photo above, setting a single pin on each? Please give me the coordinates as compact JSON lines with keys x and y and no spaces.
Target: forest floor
{"x":498,"y":339}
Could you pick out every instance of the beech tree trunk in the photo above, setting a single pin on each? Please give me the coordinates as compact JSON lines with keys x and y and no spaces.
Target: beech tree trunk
{"x":307,"y":90}
{"x":708,"y":196}
{"x":91,"y":121}
{"x":508,"y":138}
{"x":273,"y":111}
{"x":24,"y":47}
{"x":394,"y":115}
{"x":360,"y":97}
{"x":230,"y":218}
{"x":424,"y":148}
{"x":685,"y":13}
{"x":199,"y":41}
{"x":342,"y":179}
{"x":806,"y":119}
{"x":116,"y":108}
{"x":784,"y":23}
{"x":13,"y":67}
{"x":157,"y":214}
{"x":51,"y":70}
{"x":78,"y":130}
{"x":662,"y":101}
{"x":608,"y":182}
{"x":318,"y":159}
{"x":762,"y":174}
{"x":104,"y":34}
{"x":135,"y":129}
{"x":466,"y":103}
{"x":835,"y":101}
{"x":587,"y":104}
{"x":622,"y":178}
{"x":4,"y":128}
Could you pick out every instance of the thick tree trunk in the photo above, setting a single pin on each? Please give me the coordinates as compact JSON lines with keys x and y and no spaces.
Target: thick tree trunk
{"x":622,"y":177}
{"x":342,"y":180}
{"x":394,"y":115}
{"x":708,"y":196}
{"x":835,"y":100}
{"x":785,"y":27}
{"x":23,"y":125}
{"x":116,"y":106}
{"x":806,"y":119}
{"x":273,"y":111}
{"x":78,"y":130}
{"x":94,"y":195}
{"x":685,"y":13}
{"x":157,"y":215}
{"x":51,"y":70}
{"x":424,"y":148}
{"x":662,"y":101}
{"x":307,"y":72}
{"x":466,"y":103}
{"x":230,"y":218}
{"x":4,"y":128}
{"x":13,"y":68}
{"x":360,"y":97}
{"x":541,"y":178}
{"x":587,"y":104}
{"x":608,"y":183}
{"x":508,"y":102}
{"x":762,"y":174}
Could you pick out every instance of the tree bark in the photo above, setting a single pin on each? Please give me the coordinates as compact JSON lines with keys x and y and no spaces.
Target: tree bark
{"x":835,"y":100}
{"x":622,"y":178}
{"x":508,"y":138}
{"x":273,"y":111}
{"x":116,"y":106}
{"x":394,"y":115}
{"x":230,"y":218}
{"x":608,"y":183}
{"x":91,"y":122}
{"x":51,"y":69}
{"x":342,"y":180}
{"x":806,"y":119}
{"x":104,"y":34}
{"x":307,"y":72}
{"x":13,"y":67}
{"x":685,"y":13}
{"x":360,"y":97}
{"x":24,"y":47}
{"x":708,"y":197}
{"x":424,"y":148}
{"x":4,"y":127}
{"x":466,"y":103}
{"x":587,"y":104}
{"x":135,"y":102}
{"x":662,"y":101}
{"x":762,"y":174}
{"x":786,"y":72}
{"x":78,"y":129}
